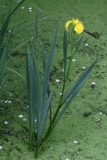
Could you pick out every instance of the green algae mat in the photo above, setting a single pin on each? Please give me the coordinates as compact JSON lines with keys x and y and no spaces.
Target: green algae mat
{"x":82,"y":131}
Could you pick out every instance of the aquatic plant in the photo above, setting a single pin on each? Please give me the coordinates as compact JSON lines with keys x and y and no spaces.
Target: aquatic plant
{"x":38,"y":89}
{"x":4,"y":41}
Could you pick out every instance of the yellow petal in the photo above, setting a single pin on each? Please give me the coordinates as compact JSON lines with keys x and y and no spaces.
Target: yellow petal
{"x":79,"y":27}
{"x":67,"y":24}
{"x":75,"y":21}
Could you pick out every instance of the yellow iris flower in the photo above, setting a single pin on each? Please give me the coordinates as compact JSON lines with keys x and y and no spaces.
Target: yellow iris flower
{"x":78,"y":25}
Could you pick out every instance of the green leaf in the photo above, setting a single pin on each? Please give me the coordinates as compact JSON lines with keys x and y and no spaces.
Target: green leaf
{"x":48,"y":68}
{"x":15,"y":72}
{"x":74,"y":91}
{"x":4,"y":52}
{"x":79,"y":83}
{"x":44,"y":112}
{"x":6,"y":22}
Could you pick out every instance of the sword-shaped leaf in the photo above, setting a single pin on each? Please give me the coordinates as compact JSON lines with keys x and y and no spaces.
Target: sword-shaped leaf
{"x":79,"y":83}
{"x":48,"y":68}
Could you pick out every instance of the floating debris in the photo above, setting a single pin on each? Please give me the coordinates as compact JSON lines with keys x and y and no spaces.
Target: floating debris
{"x":83,"y":67}
{"x":20,"y":116}
{"x":7,"y":101}
{"x":73,"y":60}
{"x":93,"y":84}
{"x":22,"y":7}
{"x":75,"y":142}
{"x":1,"y":147}
{"x":24,"y":119}
{"x":57,"y":80}
{"x":96,"y":119}
{"x":86,"y":44}
{"x":51,"y":147}
{"x":6,"y":122}
{"x":30,"y":9}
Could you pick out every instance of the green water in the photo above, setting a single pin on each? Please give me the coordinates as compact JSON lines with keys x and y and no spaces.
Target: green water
{"x":82,"y":132}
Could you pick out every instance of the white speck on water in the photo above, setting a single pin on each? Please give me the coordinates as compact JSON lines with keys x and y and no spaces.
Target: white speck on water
{"x":20,"y":116}
{"x":101,"y":113}
{"x":9,"y":102}
{"x":30,"y":8}
{"x":27,"y":106}
{"x":5,"y":122}
{"x":6,"y":101}
{"x":75,"y":142}
{"x":9,"y":31}
{"x":67,"y":159}
{"x":57,"y":80}
{"x":93,"y":83}
{"x":86,"y":44}
{"x":35,"y":120}
{"x":73,"y":60}
{"x":1,"y":147}
{"x":83,"y":67}
{"x":60,"y":94}
{"x":24,"y":119}
{"x":22,"y":7}
{"x":51,"y":147}
{"x":45,"y":18}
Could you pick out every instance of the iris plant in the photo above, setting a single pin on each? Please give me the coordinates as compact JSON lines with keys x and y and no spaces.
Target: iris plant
{"x":39,"y":91}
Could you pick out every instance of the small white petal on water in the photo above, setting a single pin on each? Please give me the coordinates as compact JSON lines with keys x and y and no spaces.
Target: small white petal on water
{"x":1,"y":147}
{"x":22,"y":7}
{"x":73,"y":60}
{"x":20,"y":116}
{"x":5,"y":122}
{"x":86,"y":44}
{"x":101,"y":113}
{"x":29,"y":8}
{"x":57,"y":80}
{"x":93,"y":83}
{"x":75,"y":142}
{"x":60,"y":94}
{"x":83,"y":67}
{"x":9,"y":102}
{"x":6,"y":101}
